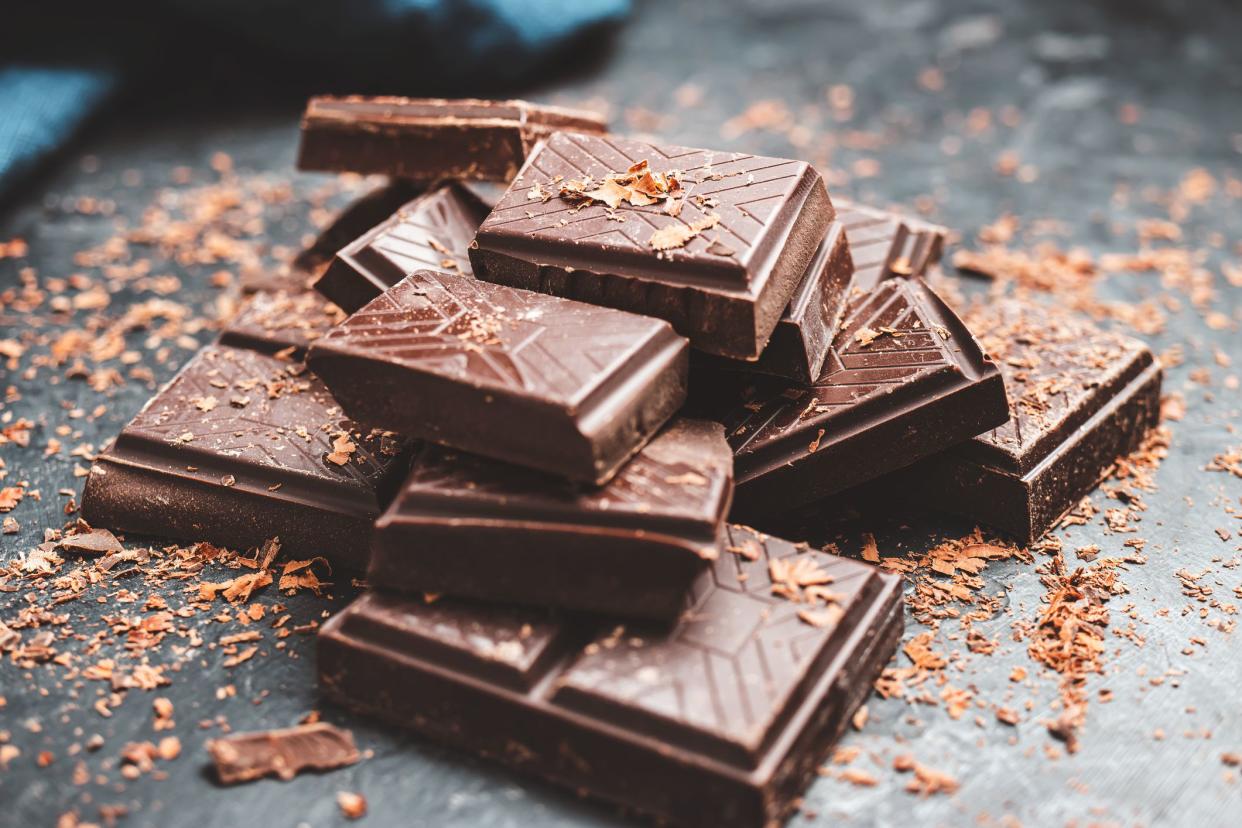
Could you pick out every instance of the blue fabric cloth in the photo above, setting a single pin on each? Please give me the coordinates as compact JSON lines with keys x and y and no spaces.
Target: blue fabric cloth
{"x":410,"y":41}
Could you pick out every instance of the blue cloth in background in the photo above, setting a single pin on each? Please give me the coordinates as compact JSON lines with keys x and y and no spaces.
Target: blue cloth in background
{"x":42,"y":106}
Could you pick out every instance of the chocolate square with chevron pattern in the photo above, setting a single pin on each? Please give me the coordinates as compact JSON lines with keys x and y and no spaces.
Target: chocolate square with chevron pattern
{"x":714,"y":242}
{"x":432,"y":232}
{"x":721,"y":719}
{"x":1079,"y":397}
{"x":464,"y":525}
{"x":543,"y":382}
{"x":904,"y":379}
{"x":241,"y":447}
{"x":886,"y":243}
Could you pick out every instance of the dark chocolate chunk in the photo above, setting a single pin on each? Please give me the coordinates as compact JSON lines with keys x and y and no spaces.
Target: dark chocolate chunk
{"x":1078,"y":398}
{"x":244,"y":757}
{"x":432,"y":232}
{"x":241,"y":447}
{"x":714,"y":242}
{"x":353,"y":221}
{"x":279,"y":322}
{"x":721,"y":720}
{"x":885,"y":243}
{"x":463,"y":525}
{"x":543,"y":382}
{"x":904,"y":379}
{"x":429,"y":139}
{"x":800,"y":342}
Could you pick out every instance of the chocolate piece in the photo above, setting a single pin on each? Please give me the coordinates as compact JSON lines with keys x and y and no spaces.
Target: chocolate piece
{"x":747,"y":227}
{"x":722,"y":720}
{"x":241,"y":447}
{"x":547,"y":383}
{"x":800,"y":342}
{"x":244,"y":757}
{"x":472,"y":527}
{"x":432,"y":232}
{"x":274,"y":322}
{"x":428,"y":139}
{"x":885,"y":243}
{"x":353,"y":221}
{"x":1078,"y":398}
{"x":904,"y":379}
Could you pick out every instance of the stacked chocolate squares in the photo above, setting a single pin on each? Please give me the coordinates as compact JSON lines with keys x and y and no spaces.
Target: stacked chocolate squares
{"x":539,"y":415}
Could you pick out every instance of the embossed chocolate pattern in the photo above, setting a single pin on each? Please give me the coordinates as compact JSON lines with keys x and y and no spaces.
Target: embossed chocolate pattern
{"x":725,"y":289}
{"x":432,"y":232}
{"x":903,"y":379}
{"x":543,"y":382}
{"x":720,"y":720}
{"x":246,"y":436}
{"x":885,"y":243}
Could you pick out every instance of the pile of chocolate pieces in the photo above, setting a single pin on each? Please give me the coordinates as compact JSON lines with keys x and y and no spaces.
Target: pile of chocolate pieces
{"x":530,"y":415}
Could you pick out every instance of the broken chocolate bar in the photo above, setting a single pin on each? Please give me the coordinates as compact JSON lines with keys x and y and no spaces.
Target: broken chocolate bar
{"x":466,"y":526}
{"x":432,"y":232}
{"x":885,"y":243}
{"x":903,"y":379}
{"x":714,"y":242}
{"x":241,"y":447}
{"x":279,"y":322}
{"x":543,"y":382}
{"x":1078,"y":398}
{"x":430,"y":139}
{"x":244,"y":757}
{"x":354,"y":220}
{"x":800,"y":341}
{"x":721,"y":720}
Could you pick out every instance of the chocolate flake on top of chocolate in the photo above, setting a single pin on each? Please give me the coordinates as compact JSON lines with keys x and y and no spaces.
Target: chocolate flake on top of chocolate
{"x":463,"y":525}
{"x":714,"y":242}
{"x":721,"y":719}
{"x":279,"y":322}
{"x":564,"y":387}
{"x":1078,"y":398}
{"x":259,"y":454}
{"x":882,"y":402}
{"x":432,"y":232}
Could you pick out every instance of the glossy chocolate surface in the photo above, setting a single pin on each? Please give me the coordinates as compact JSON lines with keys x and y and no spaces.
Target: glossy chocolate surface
{"x":1078,"y":398}
{"x":720,"y":720}
{"x":725,"y":288}
{"x":236,"y":450}
{"x":467,"y":526}
{"x":543,"y":382}
{"x":887,"y":243}
{"x":430,"y":139}
{"x":432,"y":232}
{"x":903,"y":379}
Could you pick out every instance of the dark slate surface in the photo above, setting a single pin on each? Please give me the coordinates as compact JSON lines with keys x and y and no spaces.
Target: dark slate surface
{"x":1067,"y":68}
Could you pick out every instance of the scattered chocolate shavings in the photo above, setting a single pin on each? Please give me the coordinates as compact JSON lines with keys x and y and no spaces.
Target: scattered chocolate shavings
{"x":244,"y":757}
{"x":927,"y":781}
{"x":300,"y":575}
{"x":719,"y":248}
{"x":828,"y":616}
{"x":205,"y":403}
{"x":242,"y":656}
{"x":1229,"y":461}
{"x":676,"y":235}
{"x":10,"y":496}
{"x":687,"y":479}
{"x":352,"y":805}
{"x":94,"y":542}
{"x":342,"y":448}
{"x":10,"y":526}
